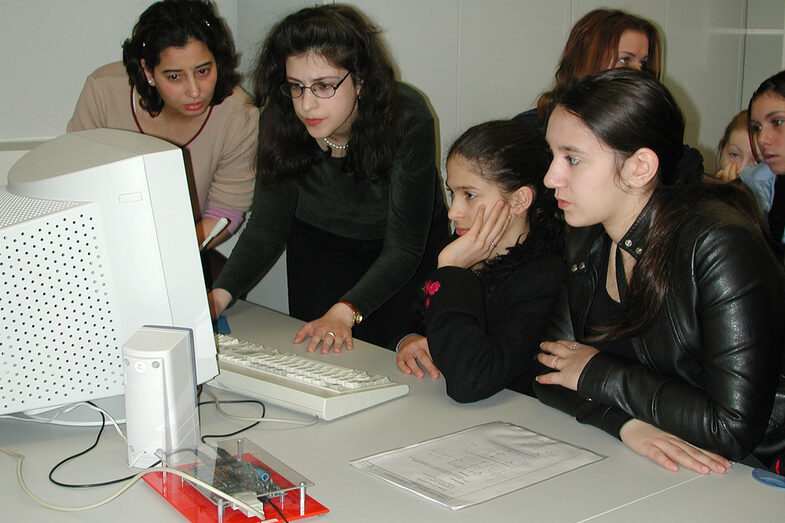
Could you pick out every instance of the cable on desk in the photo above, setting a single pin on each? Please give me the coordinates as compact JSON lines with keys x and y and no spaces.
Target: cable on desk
{"x":20,"y":478}
{"x":236,"y":432}
{"x":265,"y":499}
{"x":230,"y":434}
{"x":262,"y":419}
{"x":54,"y":421}
{"x":85,"y":451}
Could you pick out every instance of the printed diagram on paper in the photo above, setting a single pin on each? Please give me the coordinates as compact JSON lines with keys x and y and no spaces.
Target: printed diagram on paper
{"x":477,"y":464}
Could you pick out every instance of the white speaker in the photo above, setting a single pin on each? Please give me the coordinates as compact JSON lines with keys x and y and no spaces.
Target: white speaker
{"x":160,"y":393}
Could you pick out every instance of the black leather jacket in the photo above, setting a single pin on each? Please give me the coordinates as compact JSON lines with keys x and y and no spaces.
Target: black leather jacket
{"x":710,"y":362}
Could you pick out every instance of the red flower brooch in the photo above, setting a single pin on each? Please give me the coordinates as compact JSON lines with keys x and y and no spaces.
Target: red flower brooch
{"x":430,"y":288}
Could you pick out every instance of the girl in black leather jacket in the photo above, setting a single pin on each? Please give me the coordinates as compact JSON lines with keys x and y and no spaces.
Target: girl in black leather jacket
{"x":670,"y":334}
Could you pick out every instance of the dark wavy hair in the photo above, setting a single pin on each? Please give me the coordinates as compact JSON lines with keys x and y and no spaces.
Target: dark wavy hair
{"x":171,"y":23}
{"x":592,"y":46}
{"x":628,"y":110}
{"x":346,"y":39}
{"x":773,"y":84}
{"x":511,"y":155}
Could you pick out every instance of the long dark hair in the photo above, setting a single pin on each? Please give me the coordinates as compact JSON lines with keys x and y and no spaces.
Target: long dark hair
{"x":343,"y":36}
{"x":628,"y":110}
{"x":592,"y":46}
{"x":171,"y":23}
{"x":511,"y":155}
{"x":773,"y":84}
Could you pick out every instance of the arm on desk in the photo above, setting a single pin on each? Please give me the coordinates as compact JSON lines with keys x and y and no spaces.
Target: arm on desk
{"x":670,"y":451}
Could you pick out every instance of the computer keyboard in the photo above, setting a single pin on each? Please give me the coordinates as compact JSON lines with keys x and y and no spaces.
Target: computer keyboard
{"x":299,"y":383}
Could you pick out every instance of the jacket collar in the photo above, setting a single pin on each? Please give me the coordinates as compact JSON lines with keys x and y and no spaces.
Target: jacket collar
{"x":634,"y":240}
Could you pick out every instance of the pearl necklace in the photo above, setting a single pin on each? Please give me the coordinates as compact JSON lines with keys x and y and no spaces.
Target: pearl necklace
{"x":335,"y":146}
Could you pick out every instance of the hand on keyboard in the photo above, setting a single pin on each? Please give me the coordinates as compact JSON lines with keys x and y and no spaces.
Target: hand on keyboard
{"x":333,"y":330}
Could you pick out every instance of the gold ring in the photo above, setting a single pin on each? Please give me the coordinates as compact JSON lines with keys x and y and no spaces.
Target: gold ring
{"x":574,"y":346}
{"x":331,"y":333}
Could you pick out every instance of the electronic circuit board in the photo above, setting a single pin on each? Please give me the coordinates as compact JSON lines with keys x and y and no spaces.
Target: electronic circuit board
{"x":242,"y":470}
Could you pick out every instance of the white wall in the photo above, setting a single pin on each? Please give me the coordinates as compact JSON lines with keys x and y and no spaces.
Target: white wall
{"x":478,"y":60}
{"x":475,"y":60}
{"x":48,"y":47}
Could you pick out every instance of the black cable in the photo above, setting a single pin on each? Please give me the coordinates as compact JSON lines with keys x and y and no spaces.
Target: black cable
{"x":229,"y":435}
{"x":120,"y":480}
{"x":265,"y":499}
{"x":88,"y":449}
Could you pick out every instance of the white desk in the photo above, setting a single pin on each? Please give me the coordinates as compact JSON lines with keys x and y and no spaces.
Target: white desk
{"x":622,"y":487}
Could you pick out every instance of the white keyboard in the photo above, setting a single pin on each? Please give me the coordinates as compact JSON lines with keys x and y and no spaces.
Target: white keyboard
{"x":302,"y":384}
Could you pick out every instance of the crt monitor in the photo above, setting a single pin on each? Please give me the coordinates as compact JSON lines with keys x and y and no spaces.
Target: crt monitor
{"x":97,"y":239}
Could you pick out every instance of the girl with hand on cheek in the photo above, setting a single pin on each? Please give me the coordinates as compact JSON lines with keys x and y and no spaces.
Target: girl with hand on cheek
{"x":670,"y":334}
{"x":486,"y":305}
{"x":348,"y":182}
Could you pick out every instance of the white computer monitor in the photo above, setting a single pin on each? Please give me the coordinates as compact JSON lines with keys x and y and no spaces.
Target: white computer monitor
{"x":97,"y":239}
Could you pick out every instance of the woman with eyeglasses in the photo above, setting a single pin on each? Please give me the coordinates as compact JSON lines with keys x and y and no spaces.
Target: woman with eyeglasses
{"x":348,"y":182}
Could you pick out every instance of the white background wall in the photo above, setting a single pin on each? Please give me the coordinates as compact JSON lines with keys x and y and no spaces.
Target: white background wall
{"x":475,"y":60}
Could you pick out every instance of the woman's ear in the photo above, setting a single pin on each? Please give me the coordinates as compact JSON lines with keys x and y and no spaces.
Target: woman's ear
{"x":147,"y":73}
{"x":521,"y":199}
{"x":641,"y":168}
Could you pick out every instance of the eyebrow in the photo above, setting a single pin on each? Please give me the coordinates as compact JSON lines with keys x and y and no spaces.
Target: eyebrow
{"x":209,"y":62}
{"x":462,"y":187}
{"x":320,"y":79}
{"x":765,"y":117}
{"x":569,"y":149}
{"x":627,"y":54}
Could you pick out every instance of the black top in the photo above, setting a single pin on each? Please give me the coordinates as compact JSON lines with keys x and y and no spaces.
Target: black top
{"x":605,"y":311}
{"x":776,"y":215}
{"x":484,"y":330}
{"x":406,"y":210}
{"x":707,"y":366}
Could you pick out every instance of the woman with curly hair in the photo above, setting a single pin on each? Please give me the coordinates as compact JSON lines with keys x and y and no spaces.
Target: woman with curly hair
{"x":178,"y":82}
{"x":348,"y":182}
{"x":485,"y":307}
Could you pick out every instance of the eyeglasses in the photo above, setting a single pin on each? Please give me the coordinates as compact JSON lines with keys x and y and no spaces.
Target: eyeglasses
{"x":319,"y":89}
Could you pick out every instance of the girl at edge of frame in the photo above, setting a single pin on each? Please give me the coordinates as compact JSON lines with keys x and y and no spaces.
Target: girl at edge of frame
{"x":178,"y":82}
{"x":767,"y":129}
{"x":602,"y":39}
{"x":734,"y":150}
{"x":348,"y":182}
{"x":738,"y":159}
{"x":670,"y":334}
{"x":486,"y":306}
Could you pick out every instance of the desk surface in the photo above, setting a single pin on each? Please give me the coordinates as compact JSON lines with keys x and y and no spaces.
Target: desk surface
{"x":622,"y":487}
